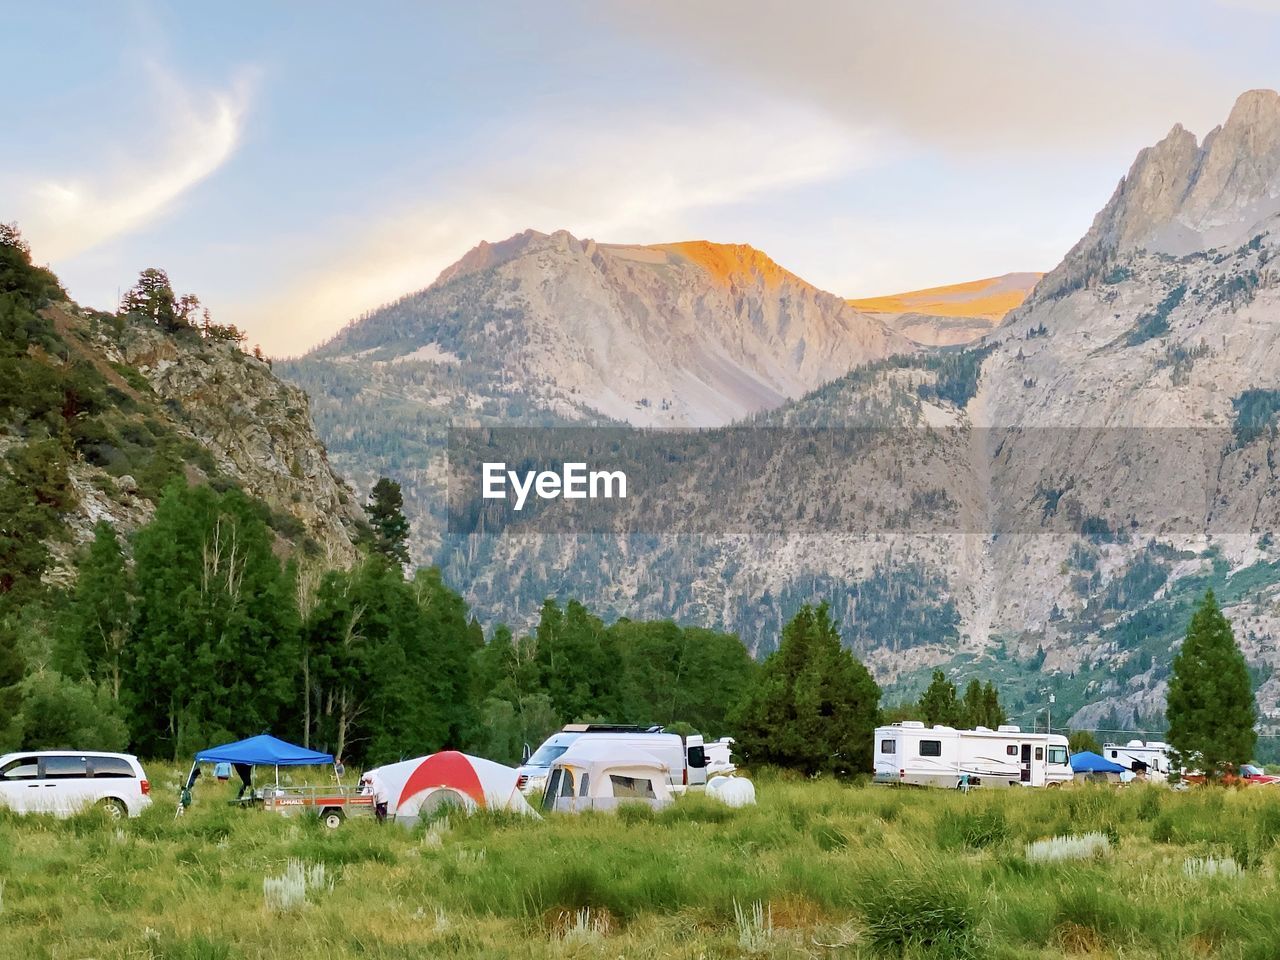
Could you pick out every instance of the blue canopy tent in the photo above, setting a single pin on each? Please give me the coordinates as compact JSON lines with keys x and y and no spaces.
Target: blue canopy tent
{"x":263,"y":750}
{"x":1089,"y":762}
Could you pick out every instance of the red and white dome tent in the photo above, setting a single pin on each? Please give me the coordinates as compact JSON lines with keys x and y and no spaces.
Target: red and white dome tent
{"x":420,"y":786}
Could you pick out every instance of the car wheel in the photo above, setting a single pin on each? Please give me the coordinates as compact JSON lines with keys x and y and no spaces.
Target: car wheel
{"x":115,"y":808}
{"x":332,"y":819}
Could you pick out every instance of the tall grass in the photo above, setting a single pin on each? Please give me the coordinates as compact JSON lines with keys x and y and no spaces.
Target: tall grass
{"x":815,"y":869}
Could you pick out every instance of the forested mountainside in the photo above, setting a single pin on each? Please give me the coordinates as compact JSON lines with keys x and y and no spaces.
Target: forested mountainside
{"x":100,"y":412}
{"x":1165,"y":316}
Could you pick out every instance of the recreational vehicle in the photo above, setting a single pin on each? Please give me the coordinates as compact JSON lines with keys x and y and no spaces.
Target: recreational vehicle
{"x":1150,"y":758}
{"x":911,"y":753}
{"x":685,"y":757}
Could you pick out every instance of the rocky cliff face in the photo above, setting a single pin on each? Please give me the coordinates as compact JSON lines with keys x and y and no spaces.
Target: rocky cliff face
{"x":221,"y":412}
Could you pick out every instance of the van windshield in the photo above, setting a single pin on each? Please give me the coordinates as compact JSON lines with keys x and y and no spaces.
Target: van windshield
{"x":546,"y":754}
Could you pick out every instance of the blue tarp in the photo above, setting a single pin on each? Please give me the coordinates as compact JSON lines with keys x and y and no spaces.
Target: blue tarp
{"x":263,"y":751}
{"x":1089,"y":762}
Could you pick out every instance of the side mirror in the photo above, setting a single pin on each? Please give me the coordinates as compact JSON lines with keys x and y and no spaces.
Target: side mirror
{"x":525,"y":754}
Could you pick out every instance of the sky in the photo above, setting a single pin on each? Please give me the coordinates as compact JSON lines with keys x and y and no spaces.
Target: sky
{"x":297,"y":165}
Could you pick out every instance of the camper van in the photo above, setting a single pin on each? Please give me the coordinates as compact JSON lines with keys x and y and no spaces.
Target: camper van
{"x":911,"y":753}
{"x":1150,"y":758}
{"x":685,"y":757}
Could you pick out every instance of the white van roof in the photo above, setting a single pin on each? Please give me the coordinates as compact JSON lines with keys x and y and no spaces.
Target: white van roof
{"x":598,"y":756}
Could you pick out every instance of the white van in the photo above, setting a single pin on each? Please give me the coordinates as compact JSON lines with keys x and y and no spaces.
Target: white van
{"x":63,"y":782}
{"x":685,"y":757}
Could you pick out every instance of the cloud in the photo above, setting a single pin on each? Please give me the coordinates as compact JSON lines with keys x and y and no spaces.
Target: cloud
{"x":195,"y":134}
{"x":1253,"y":6}
{"x":636,"y":184}
{"x":961,"y":77}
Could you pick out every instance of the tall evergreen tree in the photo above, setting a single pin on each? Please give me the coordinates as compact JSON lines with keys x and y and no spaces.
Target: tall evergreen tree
{"x":993,"y":711}
{"x":386,"y":516}
{"x":94,"y":639}
{"x":1211,"y":710}
{"x":577,"y":662}
{"x":938,"y":703}
{"x":214,"y":649}
{"x":814,"y":706}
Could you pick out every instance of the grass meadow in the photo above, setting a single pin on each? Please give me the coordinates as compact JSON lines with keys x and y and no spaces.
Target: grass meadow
{"x":817,"y":869}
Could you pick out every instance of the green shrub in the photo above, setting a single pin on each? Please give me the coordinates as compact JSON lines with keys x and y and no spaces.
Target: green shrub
{"x":974,"y":829}
{"x":914,"y":913}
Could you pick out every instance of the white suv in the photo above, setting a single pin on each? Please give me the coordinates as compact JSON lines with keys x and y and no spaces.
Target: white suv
{"x":63,"y":782}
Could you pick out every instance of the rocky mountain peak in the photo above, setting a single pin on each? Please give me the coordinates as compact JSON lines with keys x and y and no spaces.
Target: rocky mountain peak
{"x":1181,"y":196}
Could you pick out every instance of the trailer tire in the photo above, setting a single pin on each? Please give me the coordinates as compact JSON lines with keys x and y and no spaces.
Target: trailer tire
{"x":332,"y":817}
{"x":1053,"y":786}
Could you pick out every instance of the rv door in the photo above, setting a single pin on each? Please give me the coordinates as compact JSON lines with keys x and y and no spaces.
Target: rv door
{"x":695,"y":755}
{"x":1025,"y":773}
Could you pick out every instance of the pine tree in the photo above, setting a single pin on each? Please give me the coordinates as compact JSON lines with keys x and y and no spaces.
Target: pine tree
{"x":938,"y":703}
{"x":993,"y":712}
{"x":973,"y":709}
{"x":1081,"y":741}
{"x":214,"y":650}
{"x":386,"y":515}
{"x":813,"y":706}
{"x":1211,"y":710}
{"x":94,"y":639}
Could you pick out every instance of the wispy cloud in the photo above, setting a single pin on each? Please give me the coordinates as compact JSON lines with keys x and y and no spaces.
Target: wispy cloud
{"x":193,"y":134}
{"x":640,"y":183}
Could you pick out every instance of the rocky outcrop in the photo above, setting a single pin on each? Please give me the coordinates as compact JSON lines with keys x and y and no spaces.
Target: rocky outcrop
{"x":1182,"y":196}
{"x":255,"y":429}
{"x":258,"y":429}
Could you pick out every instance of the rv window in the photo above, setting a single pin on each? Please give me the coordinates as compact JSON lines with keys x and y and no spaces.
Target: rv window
{"x":1011,"y":750}
{"x":1039,"y":753}
{"x":930,"y":748}
{"x":1057,"y":754}
{"x":888,"y":746}
{"x":697,"y":757}
{"x":632,"y":787}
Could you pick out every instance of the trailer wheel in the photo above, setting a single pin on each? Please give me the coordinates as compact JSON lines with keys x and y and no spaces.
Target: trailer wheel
{"x":332,"y":818}
{"x":1054,"y":785}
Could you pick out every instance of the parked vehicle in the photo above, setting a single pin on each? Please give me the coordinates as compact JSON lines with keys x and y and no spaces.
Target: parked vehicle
{"x":685,"y":757}
{"x":64,"y":782}
{"x":1151,"y":758}
{"x":1248,"y":775}
{"x":602,"y":774}
{"x":938,"y":756}
{"x":332,"y":805}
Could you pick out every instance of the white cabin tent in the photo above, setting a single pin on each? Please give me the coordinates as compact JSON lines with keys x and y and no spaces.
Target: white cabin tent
{"x":598,"y":775}
{"x":425,"y":784}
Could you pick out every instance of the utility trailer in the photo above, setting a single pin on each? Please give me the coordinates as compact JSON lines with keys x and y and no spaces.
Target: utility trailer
{"x":910,"y":753}
{"x":332,"y":804}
